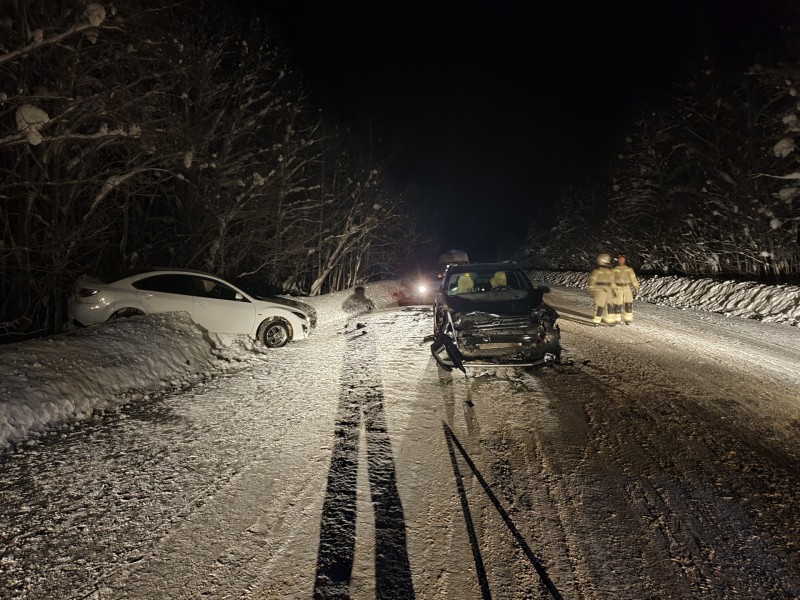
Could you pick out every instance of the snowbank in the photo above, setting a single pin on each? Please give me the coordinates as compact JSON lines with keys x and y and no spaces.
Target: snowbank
{"x":63,"y":378}
{"x":333,"y":308}
{"x":51,"y":382}
{"x":769,"y":303}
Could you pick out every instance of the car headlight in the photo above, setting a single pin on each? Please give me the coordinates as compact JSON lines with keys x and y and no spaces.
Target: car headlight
{"x":87,"y":292}
{"x":302,"y":316}
{"x":422,"y":289}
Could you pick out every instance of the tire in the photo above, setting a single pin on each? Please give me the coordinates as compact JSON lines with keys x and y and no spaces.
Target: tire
{"x":437,"y":319}
{"x":556,"y":351}
{"x":124,"y":313}
{"x":554,"y":347}
{"x":274,"y":334}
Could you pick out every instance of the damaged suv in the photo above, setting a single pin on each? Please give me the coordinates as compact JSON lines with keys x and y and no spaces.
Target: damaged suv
{"x":492,"y":311}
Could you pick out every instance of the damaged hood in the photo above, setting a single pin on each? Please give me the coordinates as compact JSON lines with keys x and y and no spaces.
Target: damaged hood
{"x":502,"y":302}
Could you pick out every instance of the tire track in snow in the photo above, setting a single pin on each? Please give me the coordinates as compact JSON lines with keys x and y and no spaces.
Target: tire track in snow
{"x":507,"y":521}
{"x":668,"y":468}
{"x":513,"y":506}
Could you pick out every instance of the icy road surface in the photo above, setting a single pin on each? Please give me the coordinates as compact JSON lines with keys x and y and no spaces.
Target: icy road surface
{"x":660,"y":461}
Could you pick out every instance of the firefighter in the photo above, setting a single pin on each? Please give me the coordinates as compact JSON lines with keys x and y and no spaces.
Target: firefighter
{"x":625,"y":281}
{"x":603,"y":290}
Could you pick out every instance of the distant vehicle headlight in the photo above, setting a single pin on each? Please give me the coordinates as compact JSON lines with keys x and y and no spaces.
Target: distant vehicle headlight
{"x":422,"y":289}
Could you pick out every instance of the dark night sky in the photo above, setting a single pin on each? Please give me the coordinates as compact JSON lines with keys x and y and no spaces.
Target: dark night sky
{"x":487,"y":108}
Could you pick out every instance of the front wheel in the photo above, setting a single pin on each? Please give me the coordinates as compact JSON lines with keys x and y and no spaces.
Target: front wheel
{"x":438,"y":319}
{"x":274,"y":334}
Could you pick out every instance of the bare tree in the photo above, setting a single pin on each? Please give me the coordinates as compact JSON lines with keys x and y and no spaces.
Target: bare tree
{"x":145,"y":134}
{"x":707,"y":183}
{"x":88,"y":129}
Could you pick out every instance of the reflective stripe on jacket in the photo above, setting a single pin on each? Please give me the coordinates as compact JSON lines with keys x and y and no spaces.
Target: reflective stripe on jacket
{"x":600,"y":278}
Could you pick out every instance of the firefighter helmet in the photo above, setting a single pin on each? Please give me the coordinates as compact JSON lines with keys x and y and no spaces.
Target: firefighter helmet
{"x":604,"y":260}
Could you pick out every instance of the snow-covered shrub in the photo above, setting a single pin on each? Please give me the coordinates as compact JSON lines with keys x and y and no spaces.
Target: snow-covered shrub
{"x":30,"y":121}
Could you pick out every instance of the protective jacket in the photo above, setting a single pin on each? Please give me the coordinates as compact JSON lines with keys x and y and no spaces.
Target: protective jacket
{"x":602,"y":287}
{"x":625,"y":279}
{"x":624,"y":276}
{"x":601,"y":279}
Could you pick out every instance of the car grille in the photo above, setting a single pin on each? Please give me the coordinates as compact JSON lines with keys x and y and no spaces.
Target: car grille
{"x":491,"y":322}
{"x":499,"y":345}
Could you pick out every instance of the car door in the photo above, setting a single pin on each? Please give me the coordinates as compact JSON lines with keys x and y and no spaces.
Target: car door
{"x":220,"y":308}
{"x":167,"y":292}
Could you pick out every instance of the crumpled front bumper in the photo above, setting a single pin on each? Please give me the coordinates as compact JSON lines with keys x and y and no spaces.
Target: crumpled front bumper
{"x":501,"y":347}
{"x":521,"y":346}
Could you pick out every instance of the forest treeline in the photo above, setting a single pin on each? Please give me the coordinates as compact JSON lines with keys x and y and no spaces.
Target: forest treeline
{"x":157,"y":133}
{"x":706,"y":181}
{"x":161,"y":133}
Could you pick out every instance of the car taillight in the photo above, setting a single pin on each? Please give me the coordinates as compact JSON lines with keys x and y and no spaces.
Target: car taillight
{"x":86,"y":292}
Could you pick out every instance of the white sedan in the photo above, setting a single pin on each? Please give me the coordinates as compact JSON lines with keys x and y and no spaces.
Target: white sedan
{"x":215,"y":304}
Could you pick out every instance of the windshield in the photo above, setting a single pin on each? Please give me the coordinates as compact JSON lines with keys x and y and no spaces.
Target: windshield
{"x":485,"y":280}
{"x":257,"y":289}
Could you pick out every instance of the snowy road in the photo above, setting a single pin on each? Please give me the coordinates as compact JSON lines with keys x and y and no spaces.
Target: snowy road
{"x":660,"y":461}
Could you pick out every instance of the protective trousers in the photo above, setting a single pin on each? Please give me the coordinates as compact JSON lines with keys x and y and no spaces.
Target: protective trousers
{"x":603,"y":297}
{"x":623,"y":304}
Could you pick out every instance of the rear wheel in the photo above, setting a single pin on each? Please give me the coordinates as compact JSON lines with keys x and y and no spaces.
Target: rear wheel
{"x":274,"y":334}
{"x":124,"y":313}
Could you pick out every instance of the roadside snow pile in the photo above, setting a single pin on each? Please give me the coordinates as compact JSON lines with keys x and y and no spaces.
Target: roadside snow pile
{"x":51,"y":382}
{"x":63,"y":378}
{"x":334,"y":308}
{"x":769,"y":303}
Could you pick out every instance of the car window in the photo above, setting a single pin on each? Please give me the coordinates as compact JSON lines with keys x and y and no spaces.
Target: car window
{"x":210,"y":288}
{"x":459,"y":284}
{"x":516,"y":280}
{"x":485,"y":280}
{"x":170,"y":284}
